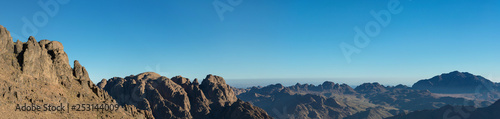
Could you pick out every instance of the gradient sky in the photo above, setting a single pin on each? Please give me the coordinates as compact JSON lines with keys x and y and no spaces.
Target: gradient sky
{"x":269,"y":39}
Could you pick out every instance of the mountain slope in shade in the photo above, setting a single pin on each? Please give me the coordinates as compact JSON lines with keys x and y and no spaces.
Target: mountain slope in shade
{"x":404,"y":98}
{"x":284,"y":104}
{"x":455,"y":112}
{"x":39,"y":73}
{"x":371,"y":113}
{"x":456,"y":82}
{"x":180,"y":98}
{"x":304,"y":101}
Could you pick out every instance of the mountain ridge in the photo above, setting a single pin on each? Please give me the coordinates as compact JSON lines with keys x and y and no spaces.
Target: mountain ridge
{"x":178,"y":97}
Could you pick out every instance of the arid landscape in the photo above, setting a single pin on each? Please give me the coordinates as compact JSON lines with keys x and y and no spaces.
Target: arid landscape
{"x":36,"y":73}
{"x":249,"y":59}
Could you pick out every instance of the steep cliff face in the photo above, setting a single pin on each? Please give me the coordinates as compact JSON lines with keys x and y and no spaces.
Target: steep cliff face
{"x":39,"y":73}
{"x":179,"y":98}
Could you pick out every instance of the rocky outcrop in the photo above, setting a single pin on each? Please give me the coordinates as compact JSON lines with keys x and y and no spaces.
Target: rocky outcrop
{"x":217,"y":91}
{"x":179,"y":98}
{"x":370,"y":88}
{"x":39,"y":73}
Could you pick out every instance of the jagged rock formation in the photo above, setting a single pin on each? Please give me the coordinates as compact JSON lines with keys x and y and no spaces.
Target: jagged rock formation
{"x":39,"y":73}
{"x":456,"y":82}
{"x":326,"y":87}
{"x":179,"y":98}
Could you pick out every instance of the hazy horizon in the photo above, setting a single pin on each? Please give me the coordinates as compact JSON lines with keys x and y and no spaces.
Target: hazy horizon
{"x":263,"y":39}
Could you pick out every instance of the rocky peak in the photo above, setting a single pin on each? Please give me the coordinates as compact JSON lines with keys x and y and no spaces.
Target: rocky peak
{"x":273,"y":88}
{"x":195,"y":82}
{"x":216,"y":90}
{"x":147,"y":75}
{"x":79,"y":71}
{"x":102,"y":83}
{"x":6,"y":44}
{"x":213,"y":79}
{"x":370,"y":88}
{"x":455,"y":82}
{"x":181,"y":80}
{"x":328,"y":84}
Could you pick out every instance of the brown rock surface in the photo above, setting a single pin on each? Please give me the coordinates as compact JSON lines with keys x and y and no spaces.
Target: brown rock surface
{"x":216,"y":90}
{"x":39,"y":73}
{"x":179,"y":98}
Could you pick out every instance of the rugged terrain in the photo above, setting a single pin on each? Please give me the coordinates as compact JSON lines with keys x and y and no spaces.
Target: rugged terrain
{"x":39,"y":73}
{"x":178,"y":97}
{"x":368,"y":100}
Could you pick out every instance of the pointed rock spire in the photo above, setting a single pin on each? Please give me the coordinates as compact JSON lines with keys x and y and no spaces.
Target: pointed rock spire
{"x":6,"y":43}
{"x":79,"y":71}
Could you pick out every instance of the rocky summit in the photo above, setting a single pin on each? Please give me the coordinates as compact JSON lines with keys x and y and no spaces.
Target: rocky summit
{"x":456,"y":82}
{"x":35,"y":75}
{"x":178,"y":97}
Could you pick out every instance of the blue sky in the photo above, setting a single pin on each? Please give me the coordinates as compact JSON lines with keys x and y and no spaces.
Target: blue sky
{"x":277,"y":40}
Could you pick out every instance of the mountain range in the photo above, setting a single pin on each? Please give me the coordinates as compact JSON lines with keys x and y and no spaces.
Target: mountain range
{"x":35,"y":74}
{"x":369,"y":100}
{"x":38,"y":73}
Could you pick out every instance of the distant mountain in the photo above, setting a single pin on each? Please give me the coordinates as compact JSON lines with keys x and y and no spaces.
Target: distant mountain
{"x":326,"y":87}
{"x":39,"y":73}
{"x":455,"y":112}
{"x":404,"y":98}
{"x":369,"y":100}
{"x":282,"y":103}
{"x":370,"y":88}
{"x":456,"y":82}
{"x":180,"y":98}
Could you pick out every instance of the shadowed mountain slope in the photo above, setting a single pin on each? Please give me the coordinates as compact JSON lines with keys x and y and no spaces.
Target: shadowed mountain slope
{"x":455,"y":112}
{"x":456,"y":82}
